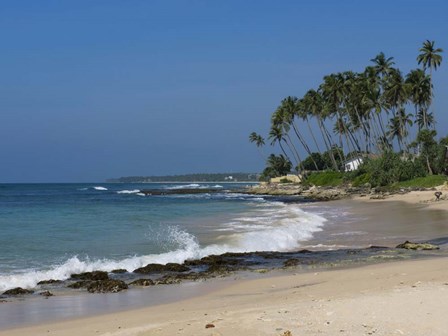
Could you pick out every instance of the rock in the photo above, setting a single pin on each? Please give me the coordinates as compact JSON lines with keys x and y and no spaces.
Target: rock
{"x":18,"y":291}
{"x":142,"y":282}
{"x":119,"y":271}
{"x":209,"y":325}
{"x":159,"y":268}
{"x":106,"y":286}
{"x":291,"y":262}
{"x":287,"y":333}
{"x":46,"y":293}
{"x":95,"y":275}
{"x":417,"y":246}
{"x":49,"y":282}
{"x":80,"y":284}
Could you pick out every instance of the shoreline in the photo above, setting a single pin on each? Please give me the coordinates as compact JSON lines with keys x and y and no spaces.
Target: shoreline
{"x":352,"y":300}
{"x":414,"y":198}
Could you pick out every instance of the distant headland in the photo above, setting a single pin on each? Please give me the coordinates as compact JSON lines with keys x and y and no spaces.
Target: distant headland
{"x":198,"y":177}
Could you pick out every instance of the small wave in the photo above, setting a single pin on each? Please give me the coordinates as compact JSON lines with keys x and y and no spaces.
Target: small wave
{"x":135,"y":191}
{"x":100,"y":188}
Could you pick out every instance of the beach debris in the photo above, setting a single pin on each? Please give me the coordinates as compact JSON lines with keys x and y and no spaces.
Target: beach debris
{"x":287,"y":333}
{"x":46,"y":293}
{"x":18,"y":291}
{"x":209,"y":325}
{"x":95,"y":275}
{"x":438,"y":194}
{"x":158,"y":268}
{"x":142,"y":282}
{"x":417,"y":246}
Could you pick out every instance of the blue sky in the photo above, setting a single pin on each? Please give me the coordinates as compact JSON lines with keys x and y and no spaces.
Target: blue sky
{"x":97,"y":89}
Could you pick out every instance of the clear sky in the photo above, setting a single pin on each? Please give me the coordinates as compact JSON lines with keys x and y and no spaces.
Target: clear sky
{"x":97,"y":89}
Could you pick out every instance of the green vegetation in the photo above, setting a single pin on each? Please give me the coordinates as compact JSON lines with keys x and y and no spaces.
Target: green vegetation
{"x":326,"y":179}
{"x":378,"y":114}
{"x":423,"y":182}
{"x":215,"y":177}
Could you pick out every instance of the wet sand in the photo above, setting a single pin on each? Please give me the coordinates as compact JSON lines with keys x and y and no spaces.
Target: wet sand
{"x":399,"y":298}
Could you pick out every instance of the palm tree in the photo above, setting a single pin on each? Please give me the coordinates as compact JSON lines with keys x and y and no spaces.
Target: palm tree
{"x":258,"y":140}
{"x":430,"y":58}
{"x":419,"y":85}
{"x":382,"y":64}
{"x":290,"y":107}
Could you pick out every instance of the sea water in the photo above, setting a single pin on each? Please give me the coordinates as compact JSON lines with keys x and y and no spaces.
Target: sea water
{"x":50,"y":231}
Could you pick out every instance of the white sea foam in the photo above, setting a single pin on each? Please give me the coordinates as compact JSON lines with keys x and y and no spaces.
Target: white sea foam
{"x":135,"y":191}
{"x":100,"y":188}
{"x":283,"y":228}
{"x":185,"y":186}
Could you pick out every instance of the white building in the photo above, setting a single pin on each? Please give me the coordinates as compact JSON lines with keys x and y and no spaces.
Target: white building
{"x":353,"y":164}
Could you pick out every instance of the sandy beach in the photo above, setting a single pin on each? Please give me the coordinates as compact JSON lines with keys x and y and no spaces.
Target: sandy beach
{"x":397,"y":298}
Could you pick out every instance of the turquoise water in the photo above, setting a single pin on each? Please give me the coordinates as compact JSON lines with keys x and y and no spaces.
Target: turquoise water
{"x":53,"y":230}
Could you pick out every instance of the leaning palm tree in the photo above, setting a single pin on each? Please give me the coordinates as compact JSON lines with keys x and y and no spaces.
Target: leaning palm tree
{"x":258,"y":140}
{"x":419,"y":86}
{"x":430,"y":58}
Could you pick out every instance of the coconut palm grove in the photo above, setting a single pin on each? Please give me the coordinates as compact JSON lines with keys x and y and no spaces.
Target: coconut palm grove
{"x":381,"y":116}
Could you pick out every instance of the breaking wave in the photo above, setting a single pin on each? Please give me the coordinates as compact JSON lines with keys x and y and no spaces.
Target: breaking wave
{"x":275,"y":227}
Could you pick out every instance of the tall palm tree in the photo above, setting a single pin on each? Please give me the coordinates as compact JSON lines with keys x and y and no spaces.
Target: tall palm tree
{"x":419,"y":86}
{"x":258,"y":140}
{"x":289,"y":107}
{"x":430,"y":58}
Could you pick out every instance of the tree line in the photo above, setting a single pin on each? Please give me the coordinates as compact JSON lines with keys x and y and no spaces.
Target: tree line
{"x":373,"y":112}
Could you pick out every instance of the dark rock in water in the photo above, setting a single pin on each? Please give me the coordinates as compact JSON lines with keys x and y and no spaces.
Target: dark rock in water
{"x":142,"y":282}
{"x":95,"y":275}
{"x":46,"y":293}
{"x":417,"y":246}
{"x":18,"y":291}
{"x":158,"y":268}
{"x":170,"y":279}
{"x":186,"y":191}
{"x":167,"y":280}
{"x":291,"y":262}
{"x":119,"y":271}
{"x":106,"y":286}
{"x":80,"y":284}
{"x":49,"y":282}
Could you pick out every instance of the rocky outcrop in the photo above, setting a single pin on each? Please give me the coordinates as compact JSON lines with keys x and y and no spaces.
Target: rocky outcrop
{"x":142,"y":282}
{"x":96,"y":275}
{"x":418,"y":246}
{"x":18,"y":291}
{"x":119,"y":271}
{"x":106,"y":286}
{"x":49,"y":282}
{"x":159,"y":268}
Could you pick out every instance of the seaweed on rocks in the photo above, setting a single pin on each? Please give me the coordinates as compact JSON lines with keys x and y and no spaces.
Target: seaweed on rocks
{"x":159,"y":268}
{"x":95,"y":275}
{"x":18,"y":291}
{"x":142,"y":282}
{"x":106,"y":286}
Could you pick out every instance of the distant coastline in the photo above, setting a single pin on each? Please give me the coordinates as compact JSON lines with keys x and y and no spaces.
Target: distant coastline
{"x":190,"y":178}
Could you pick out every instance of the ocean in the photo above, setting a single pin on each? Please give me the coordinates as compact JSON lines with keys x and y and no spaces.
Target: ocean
{"x":50,"y":231}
